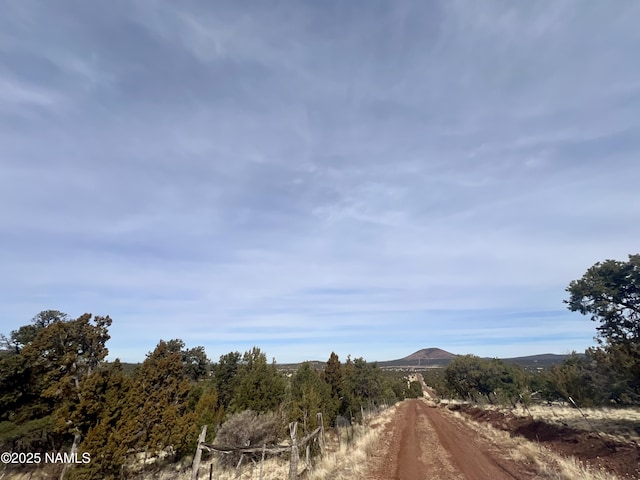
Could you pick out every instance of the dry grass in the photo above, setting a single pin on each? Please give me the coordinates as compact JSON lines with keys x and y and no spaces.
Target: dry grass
{"x":351,"y":463}
{"x":618,"y":423}
{"x":571,"y":469}
{"x":341,"y":461}
{"x":274,"y":468}
{"x":548,"y":465}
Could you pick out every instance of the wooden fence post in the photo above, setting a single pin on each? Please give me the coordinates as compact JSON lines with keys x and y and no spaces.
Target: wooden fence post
{"x":293,"y":465}
{"x":264,"y":451}
{"x":74,"y":450}
{"x":198,"y":455}
{"x":321,"y":425}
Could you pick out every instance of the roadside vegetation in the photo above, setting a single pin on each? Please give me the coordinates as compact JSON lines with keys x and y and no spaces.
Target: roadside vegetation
{"x":57,"y":393}
{"x":547,"y":464}
{"x":596,"y":393}
{"x":607,"y":375}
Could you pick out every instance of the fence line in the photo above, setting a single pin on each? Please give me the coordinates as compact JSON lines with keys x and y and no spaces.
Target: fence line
{"x":293,"y":448}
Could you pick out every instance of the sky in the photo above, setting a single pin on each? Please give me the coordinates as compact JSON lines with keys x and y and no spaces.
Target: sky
{"x":369,"y":178}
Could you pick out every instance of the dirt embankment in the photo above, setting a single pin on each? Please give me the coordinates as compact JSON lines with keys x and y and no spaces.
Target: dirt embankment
{"x":421,"y":443}
{"x":598,"y":451}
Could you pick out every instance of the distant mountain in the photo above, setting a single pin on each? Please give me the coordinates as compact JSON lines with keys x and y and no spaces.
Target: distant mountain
{"x":544,"y":360}
{"x":430,"y":354}
{"x":427,"y":357}
{"x":438,"y":358}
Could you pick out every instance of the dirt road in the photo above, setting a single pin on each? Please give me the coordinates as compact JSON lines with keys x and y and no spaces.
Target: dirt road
{"x":423,"y":442}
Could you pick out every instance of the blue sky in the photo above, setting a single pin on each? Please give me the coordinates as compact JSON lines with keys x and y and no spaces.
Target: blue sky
{"x":365,"y":177}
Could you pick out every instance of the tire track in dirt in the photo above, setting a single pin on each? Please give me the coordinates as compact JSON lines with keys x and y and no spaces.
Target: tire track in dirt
{"x":423,"y":444}
{"x":408,"y":464}
{"x":470,"y":455}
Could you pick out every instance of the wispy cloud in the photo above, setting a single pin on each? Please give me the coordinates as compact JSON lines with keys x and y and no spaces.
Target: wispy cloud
{"x":307,"y":177}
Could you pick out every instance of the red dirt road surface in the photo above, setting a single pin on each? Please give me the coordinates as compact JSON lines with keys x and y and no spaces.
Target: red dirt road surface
{"x":422,"y":442}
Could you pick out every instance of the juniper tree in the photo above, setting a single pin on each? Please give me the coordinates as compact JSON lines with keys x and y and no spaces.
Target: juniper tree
{"x":334,"y":376}
{"x":99,"y":414}
{"x":225,"y":377}
{"x":260,"y":386}
{"x":156,"y":413}
{"x":609,"y":292}
{"x":470,"y":376}
{"x":310,"y":395}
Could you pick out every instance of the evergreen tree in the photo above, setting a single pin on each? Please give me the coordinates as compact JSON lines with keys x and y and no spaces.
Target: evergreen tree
{"x":208,"y":411}
{"x":609,"y":292}
{"x":53,"y":358}
{"x":261,"y":387}
{"x":334,"y":376}
{"x":225,"y":377}
{"x":99,"y":415}
{"x":365,"y":382}
{"x":156,"y":414}
{"x":310,"y":395}
{"x":495,"y":380}
{"x":18,"y":339}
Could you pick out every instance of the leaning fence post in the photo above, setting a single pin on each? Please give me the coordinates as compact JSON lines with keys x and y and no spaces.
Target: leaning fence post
{"x":581,"y":413}
{"x":293,"y":466}
{"x":198,"y":455}
{"x":604,"y":441}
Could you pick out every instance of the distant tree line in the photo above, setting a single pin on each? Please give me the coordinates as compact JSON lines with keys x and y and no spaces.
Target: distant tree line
{"x":57,"y":392}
